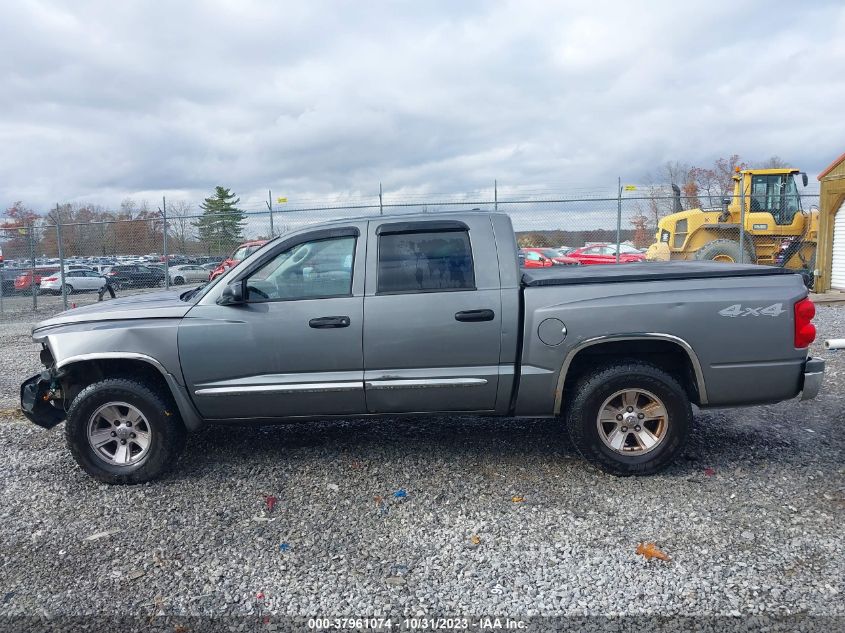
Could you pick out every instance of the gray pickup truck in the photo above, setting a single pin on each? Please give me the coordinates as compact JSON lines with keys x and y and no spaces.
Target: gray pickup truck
{"x":418,"y":314}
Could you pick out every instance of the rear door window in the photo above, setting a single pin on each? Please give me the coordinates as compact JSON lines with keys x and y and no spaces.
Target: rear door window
{"x":436,"y":261}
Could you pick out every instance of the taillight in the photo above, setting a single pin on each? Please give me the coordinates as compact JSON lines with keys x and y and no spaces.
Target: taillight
{"x":805,"y":331}
{"x":51,"y":279}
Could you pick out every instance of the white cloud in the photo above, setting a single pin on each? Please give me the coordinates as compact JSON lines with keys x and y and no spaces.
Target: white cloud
{"x":101,"y":100}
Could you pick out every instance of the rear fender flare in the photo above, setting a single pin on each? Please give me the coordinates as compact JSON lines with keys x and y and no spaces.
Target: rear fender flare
{"x":643,"y":336}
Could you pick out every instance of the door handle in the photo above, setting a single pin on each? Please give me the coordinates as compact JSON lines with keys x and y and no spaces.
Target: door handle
{"x":322,"y":323}
{"x":475,"y":315}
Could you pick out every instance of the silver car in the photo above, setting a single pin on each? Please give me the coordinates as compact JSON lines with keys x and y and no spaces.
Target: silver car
{"x":187,"y":273}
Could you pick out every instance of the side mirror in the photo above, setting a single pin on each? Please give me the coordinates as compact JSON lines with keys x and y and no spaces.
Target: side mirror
{"x":232,"y":295}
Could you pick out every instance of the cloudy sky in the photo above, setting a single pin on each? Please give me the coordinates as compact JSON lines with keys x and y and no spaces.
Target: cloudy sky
{"x":314,"y":99}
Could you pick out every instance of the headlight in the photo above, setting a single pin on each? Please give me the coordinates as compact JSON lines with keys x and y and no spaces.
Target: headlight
{"x":665,"y":236}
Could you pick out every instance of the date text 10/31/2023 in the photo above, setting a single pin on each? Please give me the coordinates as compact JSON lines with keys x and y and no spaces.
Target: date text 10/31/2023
{"x":417,"y":624}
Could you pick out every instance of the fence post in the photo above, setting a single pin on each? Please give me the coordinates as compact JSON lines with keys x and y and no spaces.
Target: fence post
{"x":270,"y":209}
{"x":618,"y":218}
{"x":380,"y":206}
{"x":61,"y":256}
{"x":164,"y":244}
{"x":742,"y":219}
{"x":495,"y":195}
{"x":32,"y":284}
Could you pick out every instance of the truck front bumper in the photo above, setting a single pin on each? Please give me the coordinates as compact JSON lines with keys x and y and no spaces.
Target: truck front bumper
{"x":813,"y":376}
{"x":36,"y":401}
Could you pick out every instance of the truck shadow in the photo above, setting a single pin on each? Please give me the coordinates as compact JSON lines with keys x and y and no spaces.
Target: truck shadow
{"x":720,"y":439}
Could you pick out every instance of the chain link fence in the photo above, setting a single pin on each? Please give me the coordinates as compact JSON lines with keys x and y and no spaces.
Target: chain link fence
{"x":62,"y":260}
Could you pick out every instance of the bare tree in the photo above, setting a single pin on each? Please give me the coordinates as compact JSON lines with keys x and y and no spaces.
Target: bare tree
{"x":180,"y":225}
{"x":773,"y":162}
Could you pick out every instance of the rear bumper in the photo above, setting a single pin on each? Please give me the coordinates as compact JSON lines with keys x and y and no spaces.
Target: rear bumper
{"x":813,"y":376}
{"x":35,"y":403}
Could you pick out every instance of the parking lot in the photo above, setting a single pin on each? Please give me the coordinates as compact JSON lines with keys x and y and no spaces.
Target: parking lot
{"x":418,"y":516}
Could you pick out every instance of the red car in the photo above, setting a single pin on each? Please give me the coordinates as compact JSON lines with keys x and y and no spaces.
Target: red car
{"x":241,"y":253}
{"x":25,"y":281}
{"x":544,"y":257}
{"x":606,"y":254}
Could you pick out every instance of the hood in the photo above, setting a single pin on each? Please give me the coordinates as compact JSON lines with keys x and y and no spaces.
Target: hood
{"x":153,"y":305}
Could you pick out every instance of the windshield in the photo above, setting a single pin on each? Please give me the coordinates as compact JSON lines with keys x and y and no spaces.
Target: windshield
{"x":245,"y":251}
{"x":203,"y":289}
{"x":626,"y":249}
{"x":776,"y":194}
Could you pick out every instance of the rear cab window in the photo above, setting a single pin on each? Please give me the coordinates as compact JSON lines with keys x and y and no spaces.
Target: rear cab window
{"x":417,"y":260}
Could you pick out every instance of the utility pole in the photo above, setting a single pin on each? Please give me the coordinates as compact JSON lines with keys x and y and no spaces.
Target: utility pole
{"x":742,"y":218}
{"x":618,"y":218}
{"x":61,"y":255}
{"x":495,"y":195}
{"x":32,"y":267}
{"x":164,"y":244}
{"x":270,"y":209}
{"x":380,"y":204}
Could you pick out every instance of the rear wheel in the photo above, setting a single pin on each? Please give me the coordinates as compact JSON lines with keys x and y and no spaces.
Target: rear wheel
{"x":724,"y":251}
{"x":122,"y":432}
{"x":179,"y":281}
{"x":629,"y":419}
{"x":68,"y":289}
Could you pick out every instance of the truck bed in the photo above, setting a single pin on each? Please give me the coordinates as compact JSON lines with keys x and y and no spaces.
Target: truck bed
{"x":646,"y":271}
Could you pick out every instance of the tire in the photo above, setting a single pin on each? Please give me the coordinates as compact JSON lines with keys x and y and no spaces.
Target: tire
{"x":117,"y":285}
{"x":161,"y":427}
{"x":592,"y":439}
{"x":68,"y":289}
{"x":179,"y":281}
{"x":724,"y":250}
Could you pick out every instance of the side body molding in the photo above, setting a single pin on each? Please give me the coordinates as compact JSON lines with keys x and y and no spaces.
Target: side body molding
{"x":641,"y":336}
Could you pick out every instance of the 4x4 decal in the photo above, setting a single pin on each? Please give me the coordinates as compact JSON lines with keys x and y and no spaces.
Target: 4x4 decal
{"x":737,"y":310}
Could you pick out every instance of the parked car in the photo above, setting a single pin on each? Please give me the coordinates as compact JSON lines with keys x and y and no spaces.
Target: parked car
{"x":533,"y":259}
{"x":552,"y":255}
{"x":8,"y":277}
{"x":241,"y":253}
{"x":75,"y":281}
{"x":26,"y":280}
{"x":135,"y":275}
{"x":564,"y":250}
{"x":393,"y":315}
{"x":187,"y":273}
{"x":210,"y":266}
{"x":606,"y":254}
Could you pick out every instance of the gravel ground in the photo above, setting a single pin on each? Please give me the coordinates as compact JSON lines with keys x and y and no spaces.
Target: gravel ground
{"x":751,"y":517}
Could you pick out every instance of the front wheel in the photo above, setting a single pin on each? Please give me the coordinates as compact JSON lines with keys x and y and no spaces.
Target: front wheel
{"x":727,"y":251}
{"x":629,"y":419}
{"x":121,"y":431}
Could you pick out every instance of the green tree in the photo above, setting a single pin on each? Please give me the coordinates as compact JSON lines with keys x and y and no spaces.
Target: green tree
{"x":221,"y":225}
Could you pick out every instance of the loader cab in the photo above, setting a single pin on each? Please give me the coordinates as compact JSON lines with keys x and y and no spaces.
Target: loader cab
{"x":776,"y":194}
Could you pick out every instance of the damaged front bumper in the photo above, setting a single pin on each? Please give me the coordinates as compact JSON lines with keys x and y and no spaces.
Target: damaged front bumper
{"x":37,"y":397}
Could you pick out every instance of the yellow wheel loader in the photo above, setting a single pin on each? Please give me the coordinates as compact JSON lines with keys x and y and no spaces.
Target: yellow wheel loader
{"x":778,"y":231}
